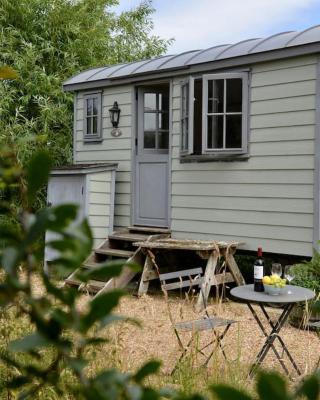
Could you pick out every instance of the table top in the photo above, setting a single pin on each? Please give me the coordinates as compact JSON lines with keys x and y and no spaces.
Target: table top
{"x":186,"y":244}
{"x":297,"y":295}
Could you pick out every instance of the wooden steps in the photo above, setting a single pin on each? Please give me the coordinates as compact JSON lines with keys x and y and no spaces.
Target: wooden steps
{"x":115,"y":252}
{"x":118,"y":245}
{"x":148,"y":230}
{"x":128,"y":236}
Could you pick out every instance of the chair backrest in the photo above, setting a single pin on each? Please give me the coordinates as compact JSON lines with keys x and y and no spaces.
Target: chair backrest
{"x":181,"y":279}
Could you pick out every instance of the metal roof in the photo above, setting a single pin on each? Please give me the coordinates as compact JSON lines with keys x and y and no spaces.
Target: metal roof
{"x":281,"y":41}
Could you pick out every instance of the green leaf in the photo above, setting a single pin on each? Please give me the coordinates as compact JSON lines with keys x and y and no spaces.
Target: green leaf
{"x":77,"y":364}
{"x":29,"y":343}
{"x":224,"y":392}
{"x":7,"y":72}
{"x":271,"y":386}
{"x":310,"y":388}
{"x":100,"y":307}
{"x":149,"y":368}
{"x":38,"y":171}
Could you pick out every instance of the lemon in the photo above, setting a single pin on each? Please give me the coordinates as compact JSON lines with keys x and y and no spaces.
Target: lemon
{"x":266,"y":280}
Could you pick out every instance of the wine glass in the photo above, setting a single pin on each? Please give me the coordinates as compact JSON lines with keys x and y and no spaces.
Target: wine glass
{"x":289,"y":275}
{"x":276,"y":269}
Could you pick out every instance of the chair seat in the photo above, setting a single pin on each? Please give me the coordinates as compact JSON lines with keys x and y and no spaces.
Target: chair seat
{"x":203,"y":324}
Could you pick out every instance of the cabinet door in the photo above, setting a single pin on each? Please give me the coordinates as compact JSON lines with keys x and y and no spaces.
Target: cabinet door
{"x":64,"y":189}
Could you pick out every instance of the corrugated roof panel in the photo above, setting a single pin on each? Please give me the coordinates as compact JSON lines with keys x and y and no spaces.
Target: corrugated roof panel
{"x":273,"y":42}
{"x":308,"y":36}
{"x":152,"y":64}
{"x":207,"y":55}
{"x":83,"y":76}
{"x":178,"y":60}
{"x":238,"y":49}
{"x":127,"y":69}
{"x":104,"y":74}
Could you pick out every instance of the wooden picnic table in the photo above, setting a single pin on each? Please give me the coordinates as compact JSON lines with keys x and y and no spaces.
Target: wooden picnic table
{"x":210,"y":250}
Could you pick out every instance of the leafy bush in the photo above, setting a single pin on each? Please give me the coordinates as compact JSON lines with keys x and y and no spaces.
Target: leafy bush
{"x":307,"y":274}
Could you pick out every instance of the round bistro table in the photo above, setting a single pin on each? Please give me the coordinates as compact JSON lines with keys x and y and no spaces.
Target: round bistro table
{"x":250,"y":297}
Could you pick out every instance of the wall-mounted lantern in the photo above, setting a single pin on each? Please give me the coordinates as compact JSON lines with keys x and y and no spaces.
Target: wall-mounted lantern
{"x":114,"y":112}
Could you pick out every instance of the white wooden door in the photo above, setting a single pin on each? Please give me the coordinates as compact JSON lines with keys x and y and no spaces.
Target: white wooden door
{"x":152,"y":158}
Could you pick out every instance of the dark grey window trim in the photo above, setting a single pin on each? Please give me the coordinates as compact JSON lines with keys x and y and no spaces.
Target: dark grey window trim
{"x":186,"y":116}
{"x":89,"y":137}
{"x":186,"y":155}
{"x":245,"y":112}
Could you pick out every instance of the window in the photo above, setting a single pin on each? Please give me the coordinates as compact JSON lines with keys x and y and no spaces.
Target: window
{"x":156,"y":120}
{"x":92,"y":117}
{"x":214,"y":116}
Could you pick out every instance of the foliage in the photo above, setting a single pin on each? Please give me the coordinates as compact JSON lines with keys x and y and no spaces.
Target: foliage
{"x":58,"y":328}
{"x":307,"y":274}
{"x":47,"y":41}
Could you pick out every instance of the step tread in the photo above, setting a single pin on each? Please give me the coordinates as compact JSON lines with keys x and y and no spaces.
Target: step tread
{"x":91,"y":286}
{"x":115,"y":252}
{"x":151,"y":230}
{"x":128,"y":237}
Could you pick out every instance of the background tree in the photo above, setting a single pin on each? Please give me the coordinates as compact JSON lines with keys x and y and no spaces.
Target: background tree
{"x":47,"y":41}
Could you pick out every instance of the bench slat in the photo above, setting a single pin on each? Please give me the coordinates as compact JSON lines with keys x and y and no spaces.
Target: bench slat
{"x":182,"y":284}
{"x":180,"y":274}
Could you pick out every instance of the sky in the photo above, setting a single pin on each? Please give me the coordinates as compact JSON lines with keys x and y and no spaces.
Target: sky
{"x":198,"y":24}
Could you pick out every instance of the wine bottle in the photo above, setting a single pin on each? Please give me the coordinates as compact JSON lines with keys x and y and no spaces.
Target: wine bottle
{"x":258,"y":272}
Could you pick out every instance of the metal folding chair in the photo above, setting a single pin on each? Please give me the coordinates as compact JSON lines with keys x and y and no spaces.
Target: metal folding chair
{"x":192,"y":278}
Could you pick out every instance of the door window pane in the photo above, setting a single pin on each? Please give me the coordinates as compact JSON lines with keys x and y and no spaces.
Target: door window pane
{"x":163,"y":140}
{"x":150,"y":121}
{"x":234,"y":95}
{"x":233,"y":131}
{"x":149,"y":140}
{"x":150,"y":101}
{"x":215,"y":131}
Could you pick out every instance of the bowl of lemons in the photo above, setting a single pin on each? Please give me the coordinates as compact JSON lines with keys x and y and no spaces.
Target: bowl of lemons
{"x":274,"y":285}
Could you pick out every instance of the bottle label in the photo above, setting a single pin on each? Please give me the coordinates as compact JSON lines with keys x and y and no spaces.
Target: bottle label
{"x":258,"y":272}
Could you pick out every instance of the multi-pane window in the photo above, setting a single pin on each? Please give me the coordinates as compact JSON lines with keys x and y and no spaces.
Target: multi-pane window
{"x":156,"y":121}
{"x":222,"y":112}
{"x":92,"y":117}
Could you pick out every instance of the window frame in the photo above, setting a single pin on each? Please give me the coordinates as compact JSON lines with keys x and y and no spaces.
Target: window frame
{"x":189,"y":85}
{"x":90,"y":137}
{"x":245,"y":113}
